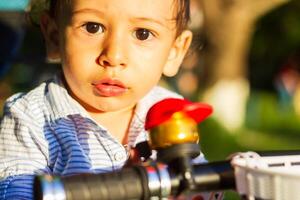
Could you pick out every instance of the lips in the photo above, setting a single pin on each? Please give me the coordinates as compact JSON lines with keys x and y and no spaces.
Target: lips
{"x":109,"y":87}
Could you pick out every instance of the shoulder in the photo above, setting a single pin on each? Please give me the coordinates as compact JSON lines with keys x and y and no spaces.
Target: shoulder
{"x":26,"y":105}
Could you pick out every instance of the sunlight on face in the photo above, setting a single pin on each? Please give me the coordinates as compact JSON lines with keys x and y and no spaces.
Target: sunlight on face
{"x":114,"y":51}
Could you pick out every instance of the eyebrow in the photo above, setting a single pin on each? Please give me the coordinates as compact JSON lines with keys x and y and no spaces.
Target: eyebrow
{"x":148,"y":19}
{"x":88,"y":10}
{"x":153,"y":20}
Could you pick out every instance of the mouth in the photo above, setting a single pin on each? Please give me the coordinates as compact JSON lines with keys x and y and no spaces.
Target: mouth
{"x":109,"y":87}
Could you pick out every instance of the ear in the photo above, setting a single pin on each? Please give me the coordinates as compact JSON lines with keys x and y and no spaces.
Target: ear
{"x":51,"y":35}
{"x":177,"y":53}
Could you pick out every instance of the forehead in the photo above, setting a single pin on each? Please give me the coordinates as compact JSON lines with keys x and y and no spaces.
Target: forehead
{"x":160,"y":9}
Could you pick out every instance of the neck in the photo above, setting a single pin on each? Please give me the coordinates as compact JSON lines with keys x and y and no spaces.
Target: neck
{"x":117,"y":122}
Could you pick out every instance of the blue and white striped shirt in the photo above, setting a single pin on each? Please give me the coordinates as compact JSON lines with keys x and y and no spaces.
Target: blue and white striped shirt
{"x":46,"y":131}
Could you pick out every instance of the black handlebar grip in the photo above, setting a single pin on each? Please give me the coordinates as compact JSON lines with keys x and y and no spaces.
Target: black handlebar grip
{"x":214,"y":176}
{"x":129,"y":183}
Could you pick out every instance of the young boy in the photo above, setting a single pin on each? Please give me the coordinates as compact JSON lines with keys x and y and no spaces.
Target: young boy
{"x":86,"y":119}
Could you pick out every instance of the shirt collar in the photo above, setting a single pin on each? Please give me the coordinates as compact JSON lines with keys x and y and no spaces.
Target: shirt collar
{"x":63,"y":105}
{"x":61,"y":102}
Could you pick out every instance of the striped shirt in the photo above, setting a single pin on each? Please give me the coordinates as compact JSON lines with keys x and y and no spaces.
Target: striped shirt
{"x":47,"y":131}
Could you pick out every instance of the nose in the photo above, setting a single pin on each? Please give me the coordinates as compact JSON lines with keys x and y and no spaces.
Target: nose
{"x":114,"y":51}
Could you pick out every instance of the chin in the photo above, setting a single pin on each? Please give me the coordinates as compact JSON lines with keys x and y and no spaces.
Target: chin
{"x":111,"y":106}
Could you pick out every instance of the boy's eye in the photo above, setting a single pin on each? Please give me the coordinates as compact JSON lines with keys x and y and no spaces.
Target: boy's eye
{"x":143,"y":34}
{"x":93,"y":27}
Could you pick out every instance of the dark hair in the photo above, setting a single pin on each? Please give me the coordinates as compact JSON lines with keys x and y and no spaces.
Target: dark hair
{"x":182,"y":15}
{"x":53,"y":7}
{"x":182,"y":12}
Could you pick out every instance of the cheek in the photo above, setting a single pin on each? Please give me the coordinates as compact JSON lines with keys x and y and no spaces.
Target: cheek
{"x":151,"y":58}
{"x":78,"y":50}
{"x":145,"y":79}
{"x":78,"y":61}
{"x":149,"y":65}
{"x":77,"y":71}
{"x":156,"y":51}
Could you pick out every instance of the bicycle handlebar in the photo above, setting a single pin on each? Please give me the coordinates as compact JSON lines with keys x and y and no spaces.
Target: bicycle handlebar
{"x":151,"y":181}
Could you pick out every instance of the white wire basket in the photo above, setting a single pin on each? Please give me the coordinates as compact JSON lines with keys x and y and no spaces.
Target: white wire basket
{"x":267,"y":177}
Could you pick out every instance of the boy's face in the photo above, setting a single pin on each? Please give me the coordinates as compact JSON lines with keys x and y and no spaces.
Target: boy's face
{"x":114,"y":51}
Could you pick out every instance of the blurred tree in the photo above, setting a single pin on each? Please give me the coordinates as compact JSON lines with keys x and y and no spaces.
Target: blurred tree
{"x":274,"y":72}
{"x":275,"y":41}
{"x":228,"y":28}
